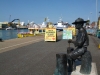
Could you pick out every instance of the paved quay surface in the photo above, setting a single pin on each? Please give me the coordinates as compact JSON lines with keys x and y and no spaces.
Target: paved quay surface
{"x":36,"y":57}
{"x":19,"y":42}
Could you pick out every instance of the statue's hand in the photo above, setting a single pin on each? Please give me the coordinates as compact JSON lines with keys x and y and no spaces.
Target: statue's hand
{"x":69,"y":41}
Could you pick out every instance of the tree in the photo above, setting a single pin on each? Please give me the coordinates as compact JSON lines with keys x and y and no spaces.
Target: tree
{"x":93,"y":23}
{"x":88,"y":22}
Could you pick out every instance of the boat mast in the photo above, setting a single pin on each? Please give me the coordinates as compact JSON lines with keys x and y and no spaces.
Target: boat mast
{"x":61,"y":18}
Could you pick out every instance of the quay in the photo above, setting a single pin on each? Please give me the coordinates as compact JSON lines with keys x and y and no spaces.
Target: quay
{"x":34,"y":56}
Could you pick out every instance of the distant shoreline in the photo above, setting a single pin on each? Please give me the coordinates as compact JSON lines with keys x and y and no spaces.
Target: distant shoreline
{"x":15,"y":29}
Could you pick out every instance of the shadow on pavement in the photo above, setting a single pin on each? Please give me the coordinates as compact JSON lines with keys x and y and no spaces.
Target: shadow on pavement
{"x":58,"y":40}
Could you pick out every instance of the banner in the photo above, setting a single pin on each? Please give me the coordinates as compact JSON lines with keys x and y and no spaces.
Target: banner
{"x":50,"y":34}
{"x":73,"y":30}
{"x":67,"y":34}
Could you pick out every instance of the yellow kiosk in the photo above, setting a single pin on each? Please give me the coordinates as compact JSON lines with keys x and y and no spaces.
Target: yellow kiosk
{"x":50,"y":33}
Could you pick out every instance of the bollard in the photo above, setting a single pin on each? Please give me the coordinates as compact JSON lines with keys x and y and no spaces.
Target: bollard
{"x":61,"y":64}
{"x":86,"y":64}
{"x":99,"y":46}
{"x":1,"y":40}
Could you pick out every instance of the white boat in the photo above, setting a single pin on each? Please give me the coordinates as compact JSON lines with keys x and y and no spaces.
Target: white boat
{"x":33,"y":26}
{"x":60,"y":25}
{"x":43,"y":25}
{"x":10,"y":28}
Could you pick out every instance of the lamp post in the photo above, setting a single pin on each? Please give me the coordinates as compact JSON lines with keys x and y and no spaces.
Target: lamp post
{"x":9,"y":18}
{"x":96,"y":14}
{"x":91,"y":17}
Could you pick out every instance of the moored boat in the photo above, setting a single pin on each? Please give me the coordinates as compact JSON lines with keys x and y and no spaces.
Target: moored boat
{"x":10,"y":28}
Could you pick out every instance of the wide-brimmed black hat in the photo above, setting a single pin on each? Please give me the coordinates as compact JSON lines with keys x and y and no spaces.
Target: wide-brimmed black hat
{"x":79,"y":20}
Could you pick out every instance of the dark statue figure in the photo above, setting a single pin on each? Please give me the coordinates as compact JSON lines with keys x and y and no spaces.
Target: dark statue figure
{"x":80,"y":53}
{"x":65,"y":63}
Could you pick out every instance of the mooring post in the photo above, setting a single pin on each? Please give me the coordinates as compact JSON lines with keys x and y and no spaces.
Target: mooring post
{"x":1,"y":40}
{"x":61,"y":64}
{"x":86,"y":64}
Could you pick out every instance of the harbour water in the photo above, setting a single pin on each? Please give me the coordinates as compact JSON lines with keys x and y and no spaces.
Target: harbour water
{"x":10,"y":34}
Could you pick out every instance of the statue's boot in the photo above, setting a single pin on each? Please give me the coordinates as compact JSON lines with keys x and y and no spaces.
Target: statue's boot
{"x":71,"y":65}
{"x":74,"y":65}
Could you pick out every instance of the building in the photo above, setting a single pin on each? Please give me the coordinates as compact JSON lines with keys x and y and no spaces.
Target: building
{"x":0,"y":25}
{"x":5,"y":24}
{"x":98,"y":24}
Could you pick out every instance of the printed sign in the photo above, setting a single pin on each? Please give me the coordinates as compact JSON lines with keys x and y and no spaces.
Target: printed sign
{"x":67,"y":34}
{"x":50,"y":34}
{"x":73,"y":30}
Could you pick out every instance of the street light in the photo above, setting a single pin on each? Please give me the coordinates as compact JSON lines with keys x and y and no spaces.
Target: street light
{"x":9,"y":18}
{"x":91,"y":17}
{"x":96,"y":14}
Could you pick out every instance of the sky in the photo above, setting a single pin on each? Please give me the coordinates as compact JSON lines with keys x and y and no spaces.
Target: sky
{"x":37,"y":10}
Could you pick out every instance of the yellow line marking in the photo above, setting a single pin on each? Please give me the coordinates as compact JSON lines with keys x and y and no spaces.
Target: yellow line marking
{"x":35,"y":40}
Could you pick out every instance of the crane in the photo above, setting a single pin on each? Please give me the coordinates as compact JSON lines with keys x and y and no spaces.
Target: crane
{"x":11,"y":23}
